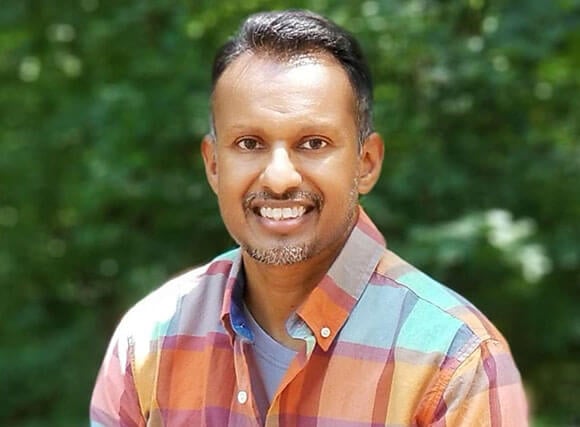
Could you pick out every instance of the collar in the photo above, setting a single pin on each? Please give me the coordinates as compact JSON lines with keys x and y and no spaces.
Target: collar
{"x":328,"y":306}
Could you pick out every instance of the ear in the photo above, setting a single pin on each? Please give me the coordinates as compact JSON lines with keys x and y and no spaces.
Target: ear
{"x":208,"y":152}
{"x":371,"y":162}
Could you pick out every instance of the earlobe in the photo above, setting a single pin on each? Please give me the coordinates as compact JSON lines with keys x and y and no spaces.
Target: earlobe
{"x":371,"y":162}
{"x":208,"y":154}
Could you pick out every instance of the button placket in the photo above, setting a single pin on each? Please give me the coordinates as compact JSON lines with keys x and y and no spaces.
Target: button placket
{"x":242,"y":395}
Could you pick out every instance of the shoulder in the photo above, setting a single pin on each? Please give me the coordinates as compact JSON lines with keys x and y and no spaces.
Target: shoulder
{"x":442,"y":344}
{"x":432,"y":318}
{"x":160,"y":313}
{"x":192,"y":281}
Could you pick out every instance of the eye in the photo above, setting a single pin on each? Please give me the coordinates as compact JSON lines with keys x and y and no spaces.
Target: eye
{"x":313,"y":144}
{"x":249,"y":144}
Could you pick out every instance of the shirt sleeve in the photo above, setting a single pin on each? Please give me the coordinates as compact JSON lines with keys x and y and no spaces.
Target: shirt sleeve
{"x":115,"y":399}
{"x":484,"y":390}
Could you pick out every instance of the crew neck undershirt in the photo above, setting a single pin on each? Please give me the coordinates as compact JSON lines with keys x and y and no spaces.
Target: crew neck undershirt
{"x":272,"y":359}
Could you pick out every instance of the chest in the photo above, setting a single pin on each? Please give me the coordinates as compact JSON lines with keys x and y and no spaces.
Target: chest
{"x":207,"y":382}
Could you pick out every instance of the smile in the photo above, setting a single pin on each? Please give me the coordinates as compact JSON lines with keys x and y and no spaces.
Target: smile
{"x":280,"y":214}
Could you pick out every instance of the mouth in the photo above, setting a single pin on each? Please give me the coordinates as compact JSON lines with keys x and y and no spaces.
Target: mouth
{"x":289,"y":208}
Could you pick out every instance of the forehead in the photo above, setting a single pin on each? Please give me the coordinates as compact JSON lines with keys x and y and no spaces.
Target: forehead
{"x":313,"y":85}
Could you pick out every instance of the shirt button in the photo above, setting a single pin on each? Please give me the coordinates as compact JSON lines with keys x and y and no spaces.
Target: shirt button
{"x":242,"y":397}
{"x":325,"y":332}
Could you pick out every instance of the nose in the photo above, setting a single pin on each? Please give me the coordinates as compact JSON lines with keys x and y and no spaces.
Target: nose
{"x":280,"y":175}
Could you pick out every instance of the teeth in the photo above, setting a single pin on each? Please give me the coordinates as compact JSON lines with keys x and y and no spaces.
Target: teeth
{"x":282,"y":213}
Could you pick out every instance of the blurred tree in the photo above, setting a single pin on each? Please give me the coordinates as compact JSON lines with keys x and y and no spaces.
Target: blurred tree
{"x":102,"y":193}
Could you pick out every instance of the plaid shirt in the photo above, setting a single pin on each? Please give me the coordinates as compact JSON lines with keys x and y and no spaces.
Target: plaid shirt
{"x":386,"y":345}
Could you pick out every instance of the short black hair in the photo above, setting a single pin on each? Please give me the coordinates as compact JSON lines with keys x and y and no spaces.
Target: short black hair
{"x":289,"y":34}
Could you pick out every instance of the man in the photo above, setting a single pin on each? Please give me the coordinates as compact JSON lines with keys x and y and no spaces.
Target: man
{"x":312,"y":321}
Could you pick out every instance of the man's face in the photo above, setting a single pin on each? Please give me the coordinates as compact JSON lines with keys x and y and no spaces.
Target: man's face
{"x":285,"y":164}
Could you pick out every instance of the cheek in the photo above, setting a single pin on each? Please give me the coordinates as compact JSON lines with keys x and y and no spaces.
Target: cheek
{"x":234,"y":175}
{"x":338,"y":177}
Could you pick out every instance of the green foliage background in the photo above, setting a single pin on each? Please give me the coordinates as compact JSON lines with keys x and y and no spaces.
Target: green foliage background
{"x":102,"y":196}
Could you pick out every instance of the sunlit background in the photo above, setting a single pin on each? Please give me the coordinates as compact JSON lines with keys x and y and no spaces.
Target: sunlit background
{"x":102,"y":195}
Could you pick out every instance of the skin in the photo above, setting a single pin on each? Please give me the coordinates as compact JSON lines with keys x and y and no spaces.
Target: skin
{"x":286,"y":137}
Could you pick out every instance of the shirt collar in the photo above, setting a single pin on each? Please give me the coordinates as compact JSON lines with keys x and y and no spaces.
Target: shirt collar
{"x":328,"y":306}
{"x":232,"y":307}
{"x":330,"y":303}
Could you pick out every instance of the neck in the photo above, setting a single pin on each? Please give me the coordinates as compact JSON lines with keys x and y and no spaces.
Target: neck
{"x":274,"y":292}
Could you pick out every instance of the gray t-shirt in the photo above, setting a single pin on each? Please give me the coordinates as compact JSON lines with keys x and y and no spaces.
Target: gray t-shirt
{"x":271,"y":358}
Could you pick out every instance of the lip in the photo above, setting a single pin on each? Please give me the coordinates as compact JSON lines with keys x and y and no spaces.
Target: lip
{"x":308,"y":200}
{"x":284,"y":226}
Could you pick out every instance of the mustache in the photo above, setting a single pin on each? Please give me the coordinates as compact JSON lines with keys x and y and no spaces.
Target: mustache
{"x":293,"y":195}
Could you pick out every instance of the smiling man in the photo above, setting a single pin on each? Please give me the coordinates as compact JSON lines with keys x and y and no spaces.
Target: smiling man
{"x":312,"y":321}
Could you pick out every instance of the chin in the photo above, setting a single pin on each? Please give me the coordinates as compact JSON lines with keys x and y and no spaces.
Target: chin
{"x":282,"y":255}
